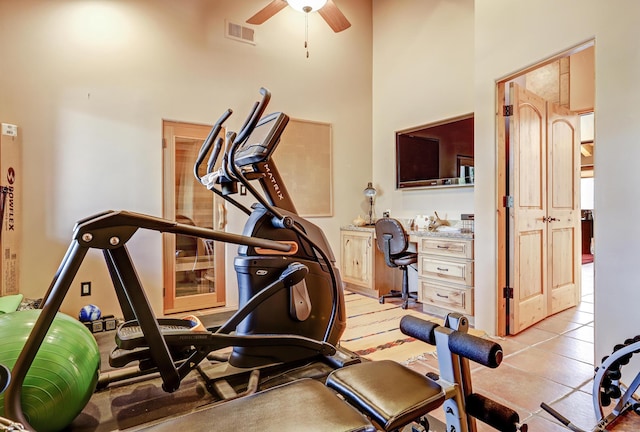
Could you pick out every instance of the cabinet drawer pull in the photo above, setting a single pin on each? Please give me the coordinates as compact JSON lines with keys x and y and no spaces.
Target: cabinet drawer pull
{"x":442,"y":269}
{"x":442,"y":296}
{"x":442,"y":247}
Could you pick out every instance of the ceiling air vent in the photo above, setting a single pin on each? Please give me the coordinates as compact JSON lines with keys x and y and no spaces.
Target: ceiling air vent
{"x":239,"y":32}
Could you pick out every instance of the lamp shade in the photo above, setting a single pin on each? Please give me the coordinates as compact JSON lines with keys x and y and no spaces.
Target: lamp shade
{"x":306,"y":5}
{"x":370,"y":191}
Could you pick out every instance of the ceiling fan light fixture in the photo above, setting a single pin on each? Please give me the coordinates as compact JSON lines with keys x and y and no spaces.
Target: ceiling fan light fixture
{"x":306,"y":5}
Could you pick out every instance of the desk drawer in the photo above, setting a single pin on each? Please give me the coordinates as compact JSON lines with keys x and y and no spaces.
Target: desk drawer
{"x":460,"y":272}
{"x":452,"y":298}
{"x":453,"y":248}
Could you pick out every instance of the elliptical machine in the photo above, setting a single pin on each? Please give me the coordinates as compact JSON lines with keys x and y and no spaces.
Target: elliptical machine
{"x":291,"y":299}
{"x":313,"y":307}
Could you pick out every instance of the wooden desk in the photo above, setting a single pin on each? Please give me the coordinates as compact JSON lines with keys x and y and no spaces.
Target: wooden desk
{"x":445,"y":268}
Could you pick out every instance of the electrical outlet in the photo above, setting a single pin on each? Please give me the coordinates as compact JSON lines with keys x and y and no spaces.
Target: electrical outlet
{"x":85,"y":289}
{"x":9,"y":129}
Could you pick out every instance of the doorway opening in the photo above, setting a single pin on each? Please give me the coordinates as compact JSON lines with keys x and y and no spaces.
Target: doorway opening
{"x":541,"y":163}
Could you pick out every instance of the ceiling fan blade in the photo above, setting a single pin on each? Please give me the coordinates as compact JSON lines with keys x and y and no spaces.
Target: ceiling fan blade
{"x":267,"y":12}
{"x":332,"y":15}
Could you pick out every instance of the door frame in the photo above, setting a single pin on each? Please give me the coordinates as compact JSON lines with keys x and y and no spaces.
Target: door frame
{"x":502,"y":177}
{"x":171,"y":302}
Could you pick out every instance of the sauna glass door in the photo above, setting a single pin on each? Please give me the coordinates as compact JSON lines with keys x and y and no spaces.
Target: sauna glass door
{"x":193,"y":267}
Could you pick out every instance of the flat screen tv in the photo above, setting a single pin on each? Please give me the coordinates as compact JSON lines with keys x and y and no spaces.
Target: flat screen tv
{"x":438,"y":154}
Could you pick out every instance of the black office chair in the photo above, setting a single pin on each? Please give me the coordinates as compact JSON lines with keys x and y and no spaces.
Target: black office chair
{"x":393,"y":241}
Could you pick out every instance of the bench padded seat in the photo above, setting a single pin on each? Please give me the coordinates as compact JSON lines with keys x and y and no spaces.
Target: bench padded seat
{"x":304,"y":405}
{"x":388,"y":392}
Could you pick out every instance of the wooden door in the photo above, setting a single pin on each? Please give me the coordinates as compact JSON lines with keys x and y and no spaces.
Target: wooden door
{"x":194,"y":275}
{"x":563,"y":208}
{"x":528,"y":188}
{"x":544,"y":219}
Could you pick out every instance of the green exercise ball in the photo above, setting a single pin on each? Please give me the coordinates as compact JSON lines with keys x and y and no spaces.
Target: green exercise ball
{"x":64,"y":373}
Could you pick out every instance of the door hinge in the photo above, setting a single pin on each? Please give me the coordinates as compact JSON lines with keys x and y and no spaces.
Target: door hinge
{"x":507,"y":110}
{"x":507,"y":201}
{"x":507,"y":292}
{"x":164,"y":143}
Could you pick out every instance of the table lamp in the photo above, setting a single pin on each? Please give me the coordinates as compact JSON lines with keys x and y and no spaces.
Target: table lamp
{"x":370,"y":192}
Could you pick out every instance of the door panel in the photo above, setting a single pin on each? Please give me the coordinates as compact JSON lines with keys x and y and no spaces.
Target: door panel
{"x":563,"y":273}
{"x":531,"y":158}
{"x":561,"y":166}
{"x":531,"y":270}
{"x":527,"y":145}
{"x":563,"y":208}
{"x":530,"y":289}
{"x":193,"y":267}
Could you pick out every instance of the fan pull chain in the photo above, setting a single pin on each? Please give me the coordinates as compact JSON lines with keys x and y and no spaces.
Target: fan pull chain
{"x":306,"y":32}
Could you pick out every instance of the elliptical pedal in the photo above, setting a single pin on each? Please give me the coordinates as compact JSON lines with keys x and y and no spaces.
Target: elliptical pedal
{"x":130,"y":336}
{"x":119,"y":358}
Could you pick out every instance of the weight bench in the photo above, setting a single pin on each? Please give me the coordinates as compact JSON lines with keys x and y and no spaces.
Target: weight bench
{"x":303,"y":405}
{"x":389,"y":393}
{"x":392,"y":395}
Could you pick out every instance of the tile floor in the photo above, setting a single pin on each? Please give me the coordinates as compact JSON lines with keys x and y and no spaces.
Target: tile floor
{"x":551,"y":362}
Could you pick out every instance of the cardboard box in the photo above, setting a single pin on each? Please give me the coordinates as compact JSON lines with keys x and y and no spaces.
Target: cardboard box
{"x":10,"y":189}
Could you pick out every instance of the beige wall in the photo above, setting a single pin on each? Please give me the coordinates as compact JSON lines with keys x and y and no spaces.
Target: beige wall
{"x":422,"y":72}
{"x":90,"y":82}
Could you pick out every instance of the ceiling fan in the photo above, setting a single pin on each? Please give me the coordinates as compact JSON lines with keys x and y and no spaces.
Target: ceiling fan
{"x":326,"y":8}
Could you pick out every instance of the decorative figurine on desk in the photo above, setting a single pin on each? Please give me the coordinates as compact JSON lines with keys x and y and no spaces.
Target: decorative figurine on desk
{"x":421,"y":222}
{"x":359,"y":221}
{"x":370,"y":192}
{"x":435,"y":222}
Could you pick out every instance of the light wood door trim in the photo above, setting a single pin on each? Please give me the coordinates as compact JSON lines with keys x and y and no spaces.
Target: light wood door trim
{"x":501,"y":210}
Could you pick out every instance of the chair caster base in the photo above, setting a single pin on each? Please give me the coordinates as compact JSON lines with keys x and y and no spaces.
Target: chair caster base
{"x":421,"y":426}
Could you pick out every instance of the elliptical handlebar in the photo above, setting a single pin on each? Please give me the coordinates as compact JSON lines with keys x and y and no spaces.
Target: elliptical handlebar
{"x":226,"y":174}
{"x":229,"y":168}
{"x":214,"y":155}
{"x":206,"y":146}
{"x":255,"y":115}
